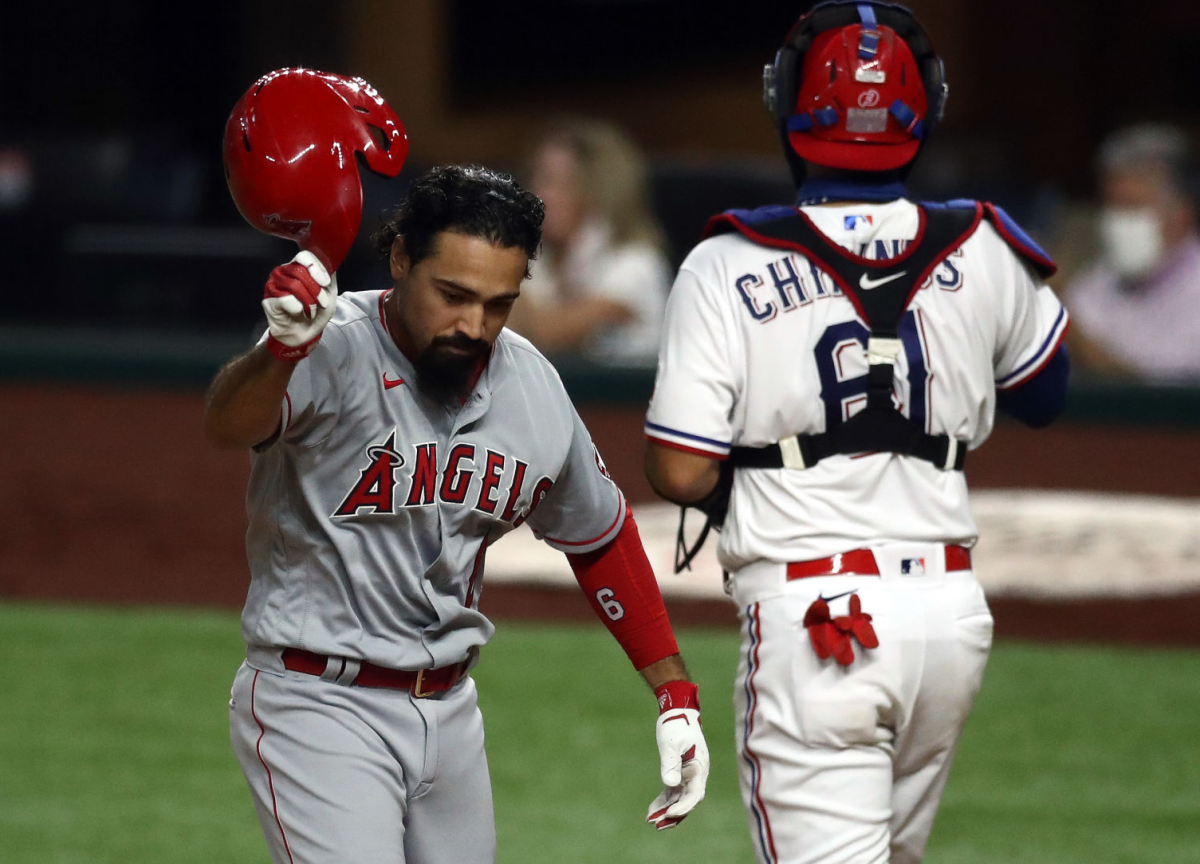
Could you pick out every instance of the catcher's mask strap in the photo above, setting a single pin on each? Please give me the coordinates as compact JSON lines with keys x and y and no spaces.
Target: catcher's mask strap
{"x":907,"y":118}
{"x":683,"y":555}
{"x":868,"y":41}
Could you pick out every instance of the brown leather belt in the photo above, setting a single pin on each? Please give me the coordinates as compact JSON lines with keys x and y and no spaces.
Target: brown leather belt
{"x":421,"y":683}
{"x":861,"y":562}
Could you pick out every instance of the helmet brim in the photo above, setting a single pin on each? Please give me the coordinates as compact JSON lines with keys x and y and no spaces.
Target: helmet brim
{"x":853,"y":155}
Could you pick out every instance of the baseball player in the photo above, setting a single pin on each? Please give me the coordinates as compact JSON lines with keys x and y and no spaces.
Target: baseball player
{"x":824,"y":372}
{"x":395,"y":436}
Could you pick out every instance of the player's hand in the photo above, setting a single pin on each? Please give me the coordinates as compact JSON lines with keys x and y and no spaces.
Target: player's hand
{"x":299,"y":300}
{"x":682,"y":752}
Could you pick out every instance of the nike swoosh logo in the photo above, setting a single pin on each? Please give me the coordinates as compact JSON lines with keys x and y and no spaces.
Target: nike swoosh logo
{"x":867,"y":284}
{"x":389,"y":384}
{"x":835,"y":596}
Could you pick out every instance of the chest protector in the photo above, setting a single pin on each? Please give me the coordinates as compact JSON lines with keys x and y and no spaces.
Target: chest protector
{"x":881,"y":291}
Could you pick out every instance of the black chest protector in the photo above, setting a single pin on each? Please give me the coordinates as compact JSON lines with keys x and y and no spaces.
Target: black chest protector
{"x":881,"y":292}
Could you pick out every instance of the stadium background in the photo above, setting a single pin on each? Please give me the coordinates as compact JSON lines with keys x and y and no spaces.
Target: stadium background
{"x":130,"y":278}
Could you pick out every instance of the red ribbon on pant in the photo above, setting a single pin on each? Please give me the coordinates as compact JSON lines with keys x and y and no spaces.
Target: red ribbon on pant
{"x":831,"y":636}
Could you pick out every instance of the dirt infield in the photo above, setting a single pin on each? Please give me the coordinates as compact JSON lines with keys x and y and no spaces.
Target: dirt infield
{"x":112,"y":496}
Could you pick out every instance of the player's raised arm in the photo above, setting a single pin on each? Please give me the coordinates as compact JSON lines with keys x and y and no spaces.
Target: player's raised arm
{"x":243,"y":401}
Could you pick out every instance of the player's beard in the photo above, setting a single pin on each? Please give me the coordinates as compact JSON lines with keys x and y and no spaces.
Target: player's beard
{"x":445,"y":374}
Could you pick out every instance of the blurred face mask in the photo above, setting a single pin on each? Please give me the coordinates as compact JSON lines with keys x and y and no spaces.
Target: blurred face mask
{"x":1132,"y":239}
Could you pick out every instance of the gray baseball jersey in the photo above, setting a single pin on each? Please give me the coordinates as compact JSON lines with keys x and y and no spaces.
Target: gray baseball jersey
{"x":372,"y":510}
{"x":370,"y":515}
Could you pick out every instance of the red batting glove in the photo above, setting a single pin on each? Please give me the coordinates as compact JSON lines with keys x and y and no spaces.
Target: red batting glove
{"x":299,"y":300}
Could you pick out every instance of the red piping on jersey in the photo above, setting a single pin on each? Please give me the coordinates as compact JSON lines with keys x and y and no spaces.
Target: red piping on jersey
{"x":478,"y":373}
{"x":270,"y":782}
{"x":601,"y":536}
{"x":756,"y":637}
{"x":774,"y":243}
{"x":288,"y":422}
{"x":406,"y":351}
{"x":954,"y":246}
{"x":1025,"y":379}
{"x":1016,"y":243}
{"x":683,"y":447}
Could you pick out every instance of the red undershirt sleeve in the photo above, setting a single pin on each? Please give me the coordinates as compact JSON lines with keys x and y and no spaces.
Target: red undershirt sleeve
{"x":623,"y":591}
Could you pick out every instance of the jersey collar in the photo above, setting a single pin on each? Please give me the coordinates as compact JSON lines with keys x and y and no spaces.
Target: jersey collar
{"x":820,"y":190}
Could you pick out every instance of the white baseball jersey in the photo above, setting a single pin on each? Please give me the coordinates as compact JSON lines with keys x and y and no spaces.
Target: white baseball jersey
{"x":371,"y":512}
{"x":759,"y":344}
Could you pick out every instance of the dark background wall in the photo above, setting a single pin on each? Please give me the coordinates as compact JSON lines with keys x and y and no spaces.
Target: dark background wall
{"x":1033,"y":84}
{"x":129,"y":276}
{"x":111,"y":118}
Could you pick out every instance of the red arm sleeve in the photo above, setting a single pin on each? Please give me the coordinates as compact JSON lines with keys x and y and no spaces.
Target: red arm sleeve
{"x":621,"y":587}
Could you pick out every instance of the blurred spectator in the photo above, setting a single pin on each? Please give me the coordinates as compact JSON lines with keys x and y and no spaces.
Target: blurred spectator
{"x":599,"y":284}
{"x":1136,"y":311}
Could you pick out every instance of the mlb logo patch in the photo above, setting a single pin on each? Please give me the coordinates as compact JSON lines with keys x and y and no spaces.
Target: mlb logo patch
{"x":912,"y":567}
{"x":853,"y":222}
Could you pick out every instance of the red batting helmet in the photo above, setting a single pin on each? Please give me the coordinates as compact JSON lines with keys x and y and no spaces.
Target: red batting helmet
{"x":857,"y":86}
{"x":290,"y":160}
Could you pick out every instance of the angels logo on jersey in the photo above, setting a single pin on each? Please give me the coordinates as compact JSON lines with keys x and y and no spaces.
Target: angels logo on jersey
{"x":429,"y":483}
{"x":376,"y":482}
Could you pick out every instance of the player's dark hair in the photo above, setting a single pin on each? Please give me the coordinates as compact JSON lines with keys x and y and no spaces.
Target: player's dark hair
{"x":468,"y":199}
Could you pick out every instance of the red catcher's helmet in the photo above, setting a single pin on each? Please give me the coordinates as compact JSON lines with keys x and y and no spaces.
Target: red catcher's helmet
{"x":290,"y":160}
{"x":856,"y":86}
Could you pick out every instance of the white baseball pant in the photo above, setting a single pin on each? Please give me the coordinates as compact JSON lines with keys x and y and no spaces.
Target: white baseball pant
{"x":846,"y":764}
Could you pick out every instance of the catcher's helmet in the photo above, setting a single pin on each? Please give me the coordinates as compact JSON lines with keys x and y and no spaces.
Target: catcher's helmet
{"x":290,"y":160}
{"x":857,"y":85}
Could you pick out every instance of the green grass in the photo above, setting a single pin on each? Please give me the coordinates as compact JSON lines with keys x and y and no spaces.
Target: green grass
{"x":1078,"y":754}
{"x":114,"y":742}
{"x":571,"y":748}
{"x":114,"y":748}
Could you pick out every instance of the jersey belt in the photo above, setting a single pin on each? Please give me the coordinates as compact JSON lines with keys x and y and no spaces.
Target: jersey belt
{"x":861,"y":562}
{"x":421,"y":683}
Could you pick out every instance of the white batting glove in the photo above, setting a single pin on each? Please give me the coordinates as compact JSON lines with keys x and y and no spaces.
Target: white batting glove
{"x":682,"y":752}
{"x":299,"y":300}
